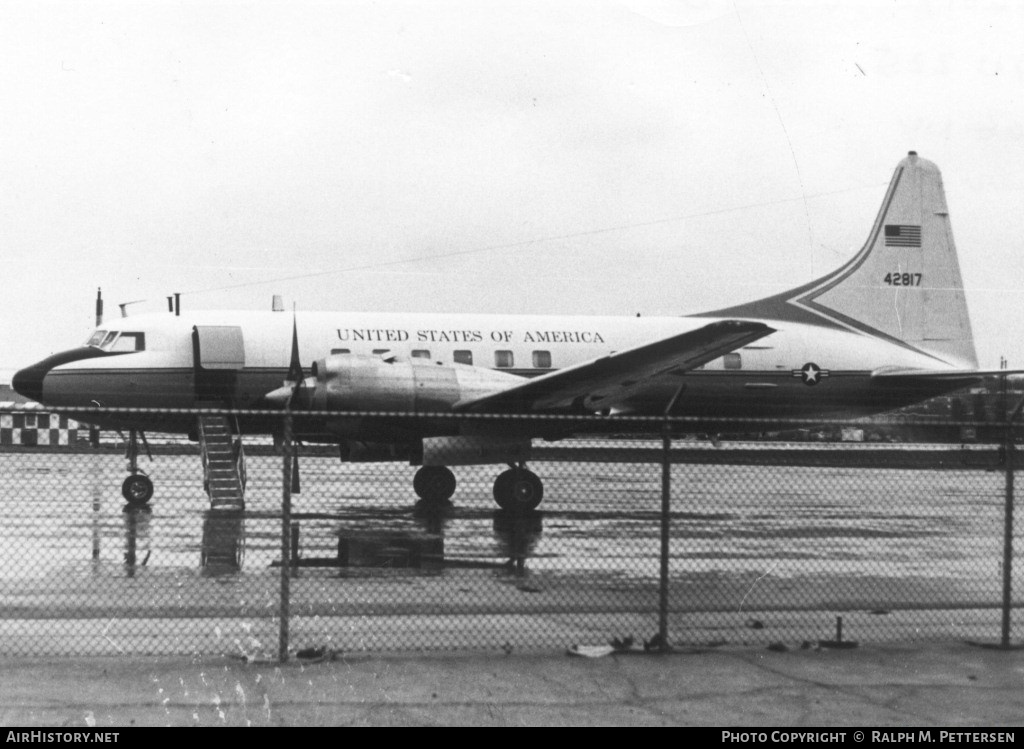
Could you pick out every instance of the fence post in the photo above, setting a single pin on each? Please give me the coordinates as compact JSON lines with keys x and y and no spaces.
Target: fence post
{"x":666,"y":485}
{"x":666,"y":494}
{"x":1008,"y":525}
{"x":286,"y":520}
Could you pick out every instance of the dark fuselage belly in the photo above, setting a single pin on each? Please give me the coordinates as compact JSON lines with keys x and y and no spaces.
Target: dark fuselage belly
{"x":707,"y":396}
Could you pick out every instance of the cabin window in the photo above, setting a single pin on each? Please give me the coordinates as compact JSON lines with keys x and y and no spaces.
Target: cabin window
{"x":379,"y":351}
{"x":127,"y":342}
{"x":96,"y":338}
{"x":30,"y":421}
{"x":503,"y":359}
{"x":542,"y":359}
{"x":420,"y":353}
{"x":340,"y":351}
{"x":463,"y":357}
{"x":732,"y":361}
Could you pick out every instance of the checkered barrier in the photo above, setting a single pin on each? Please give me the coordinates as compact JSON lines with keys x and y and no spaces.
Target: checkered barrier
{"x":640,"y":541}
{"x":38,"y":429}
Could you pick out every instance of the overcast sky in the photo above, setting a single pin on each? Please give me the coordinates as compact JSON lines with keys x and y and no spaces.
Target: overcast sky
{"x":552,"y":157}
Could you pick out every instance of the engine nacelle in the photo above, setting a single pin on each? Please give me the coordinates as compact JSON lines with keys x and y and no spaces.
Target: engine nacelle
{"x":439,"y":451}
{"x":473,"y":450}
{"x":347,"y":382}
{"x":363,"y":451}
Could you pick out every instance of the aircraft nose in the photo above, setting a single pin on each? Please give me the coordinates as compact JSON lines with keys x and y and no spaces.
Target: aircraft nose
{"x":29,"y":381}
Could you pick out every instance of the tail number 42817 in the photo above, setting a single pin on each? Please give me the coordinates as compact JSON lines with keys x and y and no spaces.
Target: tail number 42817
{"x":902,"y":279}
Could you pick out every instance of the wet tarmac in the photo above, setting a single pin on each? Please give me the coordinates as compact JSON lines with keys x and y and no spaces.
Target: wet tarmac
{"x":758,"y":555}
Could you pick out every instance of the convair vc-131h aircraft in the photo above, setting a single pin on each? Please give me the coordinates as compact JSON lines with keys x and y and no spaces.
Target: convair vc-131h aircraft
{"x":887,"y":329}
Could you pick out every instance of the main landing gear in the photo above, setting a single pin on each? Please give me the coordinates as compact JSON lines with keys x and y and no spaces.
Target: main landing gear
{"x":137,"y":489}
{"x":518,"y":490}
{"x":434,"y":483}
{"x":515,"y":490}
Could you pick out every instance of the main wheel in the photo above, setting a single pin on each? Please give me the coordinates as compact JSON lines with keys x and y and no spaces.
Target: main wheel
{"x":434,"y":483}
{"x":137,"y":489}
{"x":518,"y":490}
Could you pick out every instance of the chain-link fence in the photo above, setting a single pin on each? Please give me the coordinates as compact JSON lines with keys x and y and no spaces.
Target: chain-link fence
{"x":640,"y":538}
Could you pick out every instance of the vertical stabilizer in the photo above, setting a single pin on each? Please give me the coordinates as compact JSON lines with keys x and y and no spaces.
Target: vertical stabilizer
{"x":904,"y":285}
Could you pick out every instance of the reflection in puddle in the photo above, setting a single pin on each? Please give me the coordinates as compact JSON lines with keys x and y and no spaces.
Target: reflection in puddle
{"x":517,"y":535}
{"x":136,"y":538}
{"x":429,"y":540}
{"x":223,"y":542}
{"x":433,"y":541}
{"x":395,"y":549}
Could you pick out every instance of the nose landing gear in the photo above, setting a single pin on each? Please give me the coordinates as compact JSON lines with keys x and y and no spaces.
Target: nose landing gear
{"x":137,"y":489}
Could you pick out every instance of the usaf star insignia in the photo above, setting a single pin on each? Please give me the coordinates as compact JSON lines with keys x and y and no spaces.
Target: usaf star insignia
{"x":811,"y":373}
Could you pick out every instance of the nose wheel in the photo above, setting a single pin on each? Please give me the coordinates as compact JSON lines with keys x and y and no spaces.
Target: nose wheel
{"x":137,"y":489}
{"x":518,"y":490}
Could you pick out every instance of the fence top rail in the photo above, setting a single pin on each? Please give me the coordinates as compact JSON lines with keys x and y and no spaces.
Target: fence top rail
{"x":743,"y":423}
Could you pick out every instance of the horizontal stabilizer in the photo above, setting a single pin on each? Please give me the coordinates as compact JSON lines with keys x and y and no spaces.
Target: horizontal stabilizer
{"x":931,"y":382}
{"x":972,"y":375}
{"x":602,"y":383}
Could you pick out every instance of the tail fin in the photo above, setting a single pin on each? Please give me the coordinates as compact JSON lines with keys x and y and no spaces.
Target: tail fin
{"x":904,"y":285}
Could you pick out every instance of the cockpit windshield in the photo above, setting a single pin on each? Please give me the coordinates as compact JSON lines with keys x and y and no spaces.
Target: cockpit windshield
{"x":114,"y":340}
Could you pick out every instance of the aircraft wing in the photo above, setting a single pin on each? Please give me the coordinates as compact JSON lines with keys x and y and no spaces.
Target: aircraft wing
{"x":601,"y":383}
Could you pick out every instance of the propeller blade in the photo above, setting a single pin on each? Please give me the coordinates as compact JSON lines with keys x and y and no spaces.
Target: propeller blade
{"x":295,"y":380}
{"x":295,"y":374}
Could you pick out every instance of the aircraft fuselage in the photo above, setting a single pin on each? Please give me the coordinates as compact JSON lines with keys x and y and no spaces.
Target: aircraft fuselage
{"x":235,"y":358}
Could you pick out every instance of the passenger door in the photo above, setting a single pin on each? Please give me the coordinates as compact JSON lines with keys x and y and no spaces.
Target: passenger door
{"x":218,"y":355}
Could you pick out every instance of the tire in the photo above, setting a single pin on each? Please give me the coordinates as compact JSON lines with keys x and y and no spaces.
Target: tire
{"x":137,"y":490}
{"x":503,"y":489}
{"x":434,"y":483}
{"x":518,"y":490}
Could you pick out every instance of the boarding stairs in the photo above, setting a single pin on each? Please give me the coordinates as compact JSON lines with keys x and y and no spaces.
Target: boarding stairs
{"x":223,"y":462}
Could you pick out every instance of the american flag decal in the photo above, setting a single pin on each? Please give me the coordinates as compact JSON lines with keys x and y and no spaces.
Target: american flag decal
{"x":902,"y":235}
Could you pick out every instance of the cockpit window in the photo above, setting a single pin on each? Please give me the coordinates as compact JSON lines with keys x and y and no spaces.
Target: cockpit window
{"x":126,"y":342}
{"x":112,"y":340}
